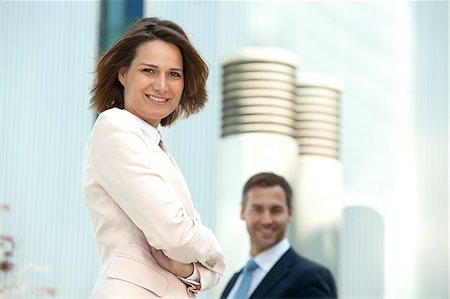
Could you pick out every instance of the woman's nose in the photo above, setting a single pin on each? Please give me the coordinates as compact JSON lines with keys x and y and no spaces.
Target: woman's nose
{"x":160,"y":83}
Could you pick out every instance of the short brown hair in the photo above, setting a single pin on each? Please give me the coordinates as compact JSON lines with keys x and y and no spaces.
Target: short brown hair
{"x":267,"y":179}
{"x":107,"y":91}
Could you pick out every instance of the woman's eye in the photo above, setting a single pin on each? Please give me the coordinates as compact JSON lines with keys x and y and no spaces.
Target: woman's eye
{"x":174,"y":74}
{"x":150,"y":71}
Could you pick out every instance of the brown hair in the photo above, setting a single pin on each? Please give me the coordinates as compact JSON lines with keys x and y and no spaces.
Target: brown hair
{"x":267,"y":179}
{"x":107,"y":91}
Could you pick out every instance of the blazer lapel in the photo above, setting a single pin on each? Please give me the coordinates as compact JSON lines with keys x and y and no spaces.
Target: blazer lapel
{"x":179,"y":181}
{"x":170,"y":172}
{"x":277,"y":273}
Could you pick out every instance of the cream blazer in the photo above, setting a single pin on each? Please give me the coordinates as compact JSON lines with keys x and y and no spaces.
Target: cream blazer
{"x":138,"y":197}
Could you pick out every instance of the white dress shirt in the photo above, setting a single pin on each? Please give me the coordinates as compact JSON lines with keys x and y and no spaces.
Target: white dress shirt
{"x":265,"y":260}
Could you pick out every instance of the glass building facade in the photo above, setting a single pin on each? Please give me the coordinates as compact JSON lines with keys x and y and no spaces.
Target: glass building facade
{"x":392,"y":57}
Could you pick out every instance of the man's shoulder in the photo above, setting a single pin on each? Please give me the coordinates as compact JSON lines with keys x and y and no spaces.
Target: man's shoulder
{"x":304,"y":263}
{"x":307,"y":278}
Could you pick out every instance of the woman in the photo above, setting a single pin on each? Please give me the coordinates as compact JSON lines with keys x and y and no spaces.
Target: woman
{"x":151,"y":241}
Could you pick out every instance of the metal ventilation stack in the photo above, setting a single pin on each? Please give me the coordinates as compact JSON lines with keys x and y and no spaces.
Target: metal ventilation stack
{"x":318,"y":115}
{"x":258,"y":134}
{"x":319,"y":180}
{"x":259,"y":92}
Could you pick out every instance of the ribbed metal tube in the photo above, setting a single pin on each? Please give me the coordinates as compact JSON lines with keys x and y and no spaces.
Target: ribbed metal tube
{"x":317,"y":116}
{"x":259,"y":91}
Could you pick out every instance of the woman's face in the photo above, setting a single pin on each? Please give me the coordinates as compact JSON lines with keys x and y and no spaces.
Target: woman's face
{"x":154,"y":82}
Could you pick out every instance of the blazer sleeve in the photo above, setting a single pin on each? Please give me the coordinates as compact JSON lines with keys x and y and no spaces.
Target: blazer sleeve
{"x":125,"y":167}
{"x":208,"y":278}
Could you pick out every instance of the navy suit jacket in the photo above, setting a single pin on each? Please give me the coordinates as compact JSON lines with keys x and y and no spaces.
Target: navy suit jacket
{"x":293,"y":276}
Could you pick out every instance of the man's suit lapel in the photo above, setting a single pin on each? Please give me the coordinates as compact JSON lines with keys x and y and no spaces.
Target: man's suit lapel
{"x":230,"y":285}
{"x":277,"y":273}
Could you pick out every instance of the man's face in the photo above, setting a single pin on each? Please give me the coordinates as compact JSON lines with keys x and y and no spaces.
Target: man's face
{"x":266,"y":214}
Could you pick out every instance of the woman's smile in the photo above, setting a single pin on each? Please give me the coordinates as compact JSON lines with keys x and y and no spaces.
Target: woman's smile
{"x":156,"y":99}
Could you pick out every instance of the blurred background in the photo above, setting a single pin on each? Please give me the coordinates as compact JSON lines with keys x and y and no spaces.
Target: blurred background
{"x":393,"y":232}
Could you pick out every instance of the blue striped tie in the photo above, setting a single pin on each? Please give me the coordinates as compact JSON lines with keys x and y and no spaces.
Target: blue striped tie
{"x":242,"y":290}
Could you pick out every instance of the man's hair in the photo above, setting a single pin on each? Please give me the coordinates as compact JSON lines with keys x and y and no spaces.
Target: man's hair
{"x":267,"y":179}
{"x":107,"y":91}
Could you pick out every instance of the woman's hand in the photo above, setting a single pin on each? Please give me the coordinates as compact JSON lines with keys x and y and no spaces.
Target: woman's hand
{"x":173,"y":266}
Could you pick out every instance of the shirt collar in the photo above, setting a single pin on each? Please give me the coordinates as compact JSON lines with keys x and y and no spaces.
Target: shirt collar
{"x":267,"y":259}
{"x":148,"y":129}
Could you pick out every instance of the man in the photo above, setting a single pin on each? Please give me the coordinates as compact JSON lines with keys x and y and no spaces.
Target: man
{"x":276,"y":270}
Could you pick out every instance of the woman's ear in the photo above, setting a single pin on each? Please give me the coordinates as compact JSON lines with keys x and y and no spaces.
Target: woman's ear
{"x":121,"y":75}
